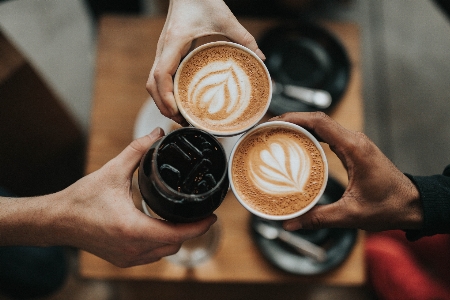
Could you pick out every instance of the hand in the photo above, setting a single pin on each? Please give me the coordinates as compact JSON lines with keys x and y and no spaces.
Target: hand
{"x":378,"y":195}
{"x":100,"y":217}
{"x":186,"y":21}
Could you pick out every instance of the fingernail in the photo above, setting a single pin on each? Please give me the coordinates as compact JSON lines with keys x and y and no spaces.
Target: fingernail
{"x":156,"y":133}
{"x":260,"y":54}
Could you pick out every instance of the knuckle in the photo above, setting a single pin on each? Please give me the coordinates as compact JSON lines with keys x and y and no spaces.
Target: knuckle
{"x":175,"y":239}
{"x":361,"y":144}
{"x":125,"y":232}
{"x":158,"y":74}
{"x":248,"y":39}
{"x":130,"y":253}
{"x":149,"y":86}
{"x":175,"y":32}
{"x":320,"y":115}
{"x":315,"y":221}
{"x":138,"y":145}
{"x":173,"y":249}
{"x":124,"y":264}
{"x":287,"y":115}
{"x":361,"y":137}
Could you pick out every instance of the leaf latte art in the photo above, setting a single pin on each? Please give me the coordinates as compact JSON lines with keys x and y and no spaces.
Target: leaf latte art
{"x":283,"y":167}
{"x":220,"y":92}
{"x":222,"y":88}
{"x":277,"y":170}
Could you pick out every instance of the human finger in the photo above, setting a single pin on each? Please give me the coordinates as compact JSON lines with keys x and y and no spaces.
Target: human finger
{"x":342,"y":141}
{"x":170,"y":233}
{"x":152,"y":89}
{"x":238,"y":34}
{"x":322,"y":216}
{"x":156,"y":254}
{"x":319,"y":124}
{"x":163,"y":78}
{"x":130,"y":157}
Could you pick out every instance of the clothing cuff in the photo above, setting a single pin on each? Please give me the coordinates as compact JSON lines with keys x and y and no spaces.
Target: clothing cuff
{"x":435,"y":198}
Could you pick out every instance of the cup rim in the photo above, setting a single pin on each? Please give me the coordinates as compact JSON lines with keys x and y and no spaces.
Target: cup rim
{"x":279,"y":124}
{"x":191,"y":120}
{"x":185,"y":196}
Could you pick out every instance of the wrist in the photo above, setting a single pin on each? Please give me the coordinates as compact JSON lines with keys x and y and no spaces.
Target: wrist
{"x":28,"y":221}
{"x":413,"y":207}
{"x":62,"y":218}
{"x":434,"y":199}
{"x":415,"y":216}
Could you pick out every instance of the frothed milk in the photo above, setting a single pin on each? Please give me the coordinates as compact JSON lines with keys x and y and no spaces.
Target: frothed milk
{"x":278,"y":170}
{"x":223,"y":88}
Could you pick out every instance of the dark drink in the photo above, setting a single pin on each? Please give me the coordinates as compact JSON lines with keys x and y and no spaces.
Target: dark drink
{"x":183,"y":176}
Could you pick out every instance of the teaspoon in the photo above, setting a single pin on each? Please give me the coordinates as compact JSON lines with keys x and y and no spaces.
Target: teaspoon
{"x":314,"y":97}
{"x":302,"y":245}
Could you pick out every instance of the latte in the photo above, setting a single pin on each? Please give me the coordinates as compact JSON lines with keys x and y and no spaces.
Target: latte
{"x":223,"y":88}
{"x":278,"y":170}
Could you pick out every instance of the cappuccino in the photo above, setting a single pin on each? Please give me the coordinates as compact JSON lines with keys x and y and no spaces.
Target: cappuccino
{"x":223,"y":88}
{"x":278,"y":170}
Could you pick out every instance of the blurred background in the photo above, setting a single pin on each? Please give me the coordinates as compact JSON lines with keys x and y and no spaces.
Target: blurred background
{"x":405,"y":62}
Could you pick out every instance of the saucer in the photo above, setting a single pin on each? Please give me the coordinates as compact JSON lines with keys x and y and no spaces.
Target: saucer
{"x":337,"y":242}
{"x":306,"y":55}
{"x":149,"y":117}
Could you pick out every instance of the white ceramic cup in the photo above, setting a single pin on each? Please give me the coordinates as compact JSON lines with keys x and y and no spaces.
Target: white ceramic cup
{"x":275,"y":125}
{"x":230,"y":91}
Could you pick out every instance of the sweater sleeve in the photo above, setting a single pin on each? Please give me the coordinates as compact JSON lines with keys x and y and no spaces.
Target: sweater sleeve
{"x":435,"y":198}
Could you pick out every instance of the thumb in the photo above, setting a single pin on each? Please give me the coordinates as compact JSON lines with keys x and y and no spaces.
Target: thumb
{"x":321,"y":216}
{"x":130,"y":157}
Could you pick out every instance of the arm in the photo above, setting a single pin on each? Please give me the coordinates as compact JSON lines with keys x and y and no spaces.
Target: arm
{"x":97,"y":214}
{"x":186,"y":21}
{"x":378,"y":195}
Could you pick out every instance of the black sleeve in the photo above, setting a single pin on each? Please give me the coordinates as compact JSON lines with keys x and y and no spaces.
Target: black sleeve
{"x":435,"y":197}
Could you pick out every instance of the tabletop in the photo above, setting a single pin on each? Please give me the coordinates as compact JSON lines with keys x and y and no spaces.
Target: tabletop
{"x":125,"y":53}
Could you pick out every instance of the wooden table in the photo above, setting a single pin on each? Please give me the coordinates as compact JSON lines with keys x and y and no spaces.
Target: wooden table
{"x":126,"y":50}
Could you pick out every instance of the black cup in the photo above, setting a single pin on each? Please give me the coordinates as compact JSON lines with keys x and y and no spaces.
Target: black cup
{"x":183,"y":176}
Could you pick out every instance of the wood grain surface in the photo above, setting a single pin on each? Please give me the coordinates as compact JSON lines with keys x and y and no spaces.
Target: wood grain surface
{"x":125,"y":54}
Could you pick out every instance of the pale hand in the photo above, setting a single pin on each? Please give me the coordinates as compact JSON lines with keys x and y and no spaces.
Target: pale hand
{"x":97,"y":214}
{"x":186,"y":21}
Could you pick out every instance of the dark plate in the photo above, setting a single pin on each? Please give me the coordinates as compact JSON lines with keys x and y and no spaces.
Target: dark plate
{"x":307,"y":55}
{"x":338,"y":242}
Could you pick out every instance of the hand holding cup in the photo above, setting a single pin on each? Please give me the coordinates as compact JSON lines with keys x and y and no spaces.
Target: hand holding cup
{"x":278,"y":170}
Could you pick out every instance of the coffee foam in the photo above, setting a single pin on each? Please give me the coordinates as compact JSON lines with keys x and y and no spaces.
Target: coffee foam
{"x":277,"y":171}
{"x":223,"y":88}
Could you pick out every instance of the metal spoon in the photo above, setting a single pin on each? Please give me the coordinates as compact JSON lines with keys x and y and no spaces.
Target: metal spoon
{"x":318,"y":98}
{"x":302,"y":245}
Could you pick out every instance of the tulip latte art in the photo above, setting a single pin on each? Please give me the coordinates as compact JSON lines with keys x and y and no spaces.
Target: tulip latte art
{"x":223,"y":89}
{"x":277,"y":171}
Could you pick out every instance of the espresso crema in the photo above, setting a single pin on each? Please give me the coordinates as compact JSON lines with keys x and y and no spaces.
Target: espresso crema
{"x":223,"y":89}
{"x":277,"y":171}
